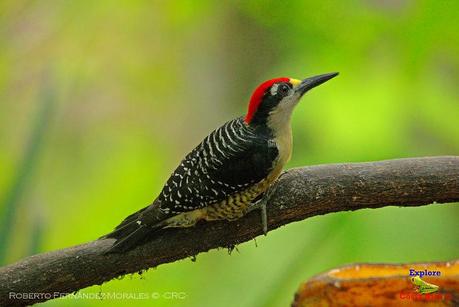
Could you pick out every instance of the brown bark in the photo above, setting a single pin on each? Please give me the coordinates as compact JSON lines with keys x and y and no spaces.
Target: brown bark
{"x":300,"y":193}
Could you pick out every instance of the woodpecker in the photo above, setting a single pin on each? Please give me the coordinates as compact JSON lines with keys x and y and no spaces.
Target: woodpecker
{"x":230,"y":169}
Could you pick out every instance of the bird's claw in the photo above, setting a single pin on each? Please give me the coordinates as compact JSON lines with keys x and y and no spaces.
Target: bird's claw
{"x":261,"y":204}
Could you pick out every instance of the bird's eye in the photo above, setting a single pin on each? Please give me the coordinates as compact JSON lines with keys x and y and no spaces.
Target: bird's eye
{"x":283,"y":90}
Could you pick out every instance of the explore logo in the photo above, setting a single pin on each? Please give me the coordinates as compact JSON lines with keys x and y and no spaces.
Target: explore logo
{"x":424,"y":291}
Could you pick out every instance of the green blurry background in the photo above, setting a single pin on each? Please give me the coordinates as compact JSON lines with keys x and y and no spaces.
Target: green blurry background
{"x":99,"y":101}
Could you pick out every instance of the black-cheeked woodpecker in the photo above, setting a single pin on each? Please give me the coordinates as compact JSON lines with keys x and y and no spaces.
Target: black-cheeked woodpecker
{"x":231,"y":168}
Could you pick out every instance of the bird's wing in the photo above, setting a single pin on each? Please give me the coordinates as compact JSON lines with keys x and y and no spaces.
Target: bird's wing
{"x":229,"y":160}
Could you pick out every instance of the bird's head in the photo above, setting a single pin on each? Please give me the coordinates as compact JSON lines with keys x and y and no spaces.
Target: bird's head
{"x":273,"y":101}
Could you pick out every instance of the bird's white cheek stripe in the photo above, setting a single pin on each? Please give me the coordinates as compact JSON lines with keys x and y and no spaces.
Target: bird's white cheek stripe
{"x":274,"y":89}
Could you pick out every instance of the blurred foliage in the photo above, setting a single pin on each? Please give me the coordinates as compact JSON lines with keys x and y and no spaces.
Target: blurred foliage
{"x":23,"y":174}
{"x":140,"y":83}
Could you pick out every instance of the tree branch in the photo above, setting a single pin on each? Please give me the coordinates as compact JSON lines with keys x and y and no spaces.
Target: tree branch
{"x":300,"y":193}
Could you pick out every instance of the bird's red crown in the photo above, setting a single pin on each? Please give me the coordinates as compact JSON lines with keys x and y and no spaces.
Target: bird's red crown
{"x":258,"y":94}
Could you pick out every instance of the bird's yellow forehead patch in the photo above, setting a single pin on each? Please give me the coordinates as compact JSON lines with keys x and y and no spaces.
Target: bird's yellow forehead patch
{"x":295,"y":82}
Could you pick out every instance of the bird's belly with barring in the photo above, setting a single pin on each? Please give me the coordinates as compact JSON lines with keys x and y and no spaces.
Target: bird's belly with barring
{"x":235,"y":206}
{"x":232,"y":208}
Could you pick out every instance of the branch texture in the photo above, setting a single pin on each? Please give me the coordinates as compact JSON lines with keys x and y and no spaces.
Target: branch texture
{"x":300,"y":193}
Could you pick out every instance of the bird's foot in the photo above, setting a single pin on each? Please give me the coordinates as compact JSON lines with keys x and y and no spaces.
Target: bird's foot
{"x":262,"y":203}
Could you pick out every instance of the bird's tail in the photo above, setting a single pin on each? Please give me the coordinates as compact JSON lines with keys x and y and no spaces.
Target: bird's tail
{"x":135,"y":229}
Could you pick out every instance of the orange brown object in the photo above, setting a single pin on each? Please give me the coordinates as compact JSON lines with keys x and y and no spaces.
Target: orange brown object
{"x":380,"y":285}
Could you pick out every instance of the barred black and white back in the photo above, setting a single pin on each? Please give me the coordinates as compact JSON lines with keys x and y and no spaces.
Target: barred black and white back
{"x":226,"y":162}
{"x":216,"y":180}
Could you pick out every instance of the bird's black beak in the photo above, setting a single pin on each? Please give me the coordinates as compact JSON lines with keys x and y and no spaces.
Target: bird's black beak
{"x":312,"y":82}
